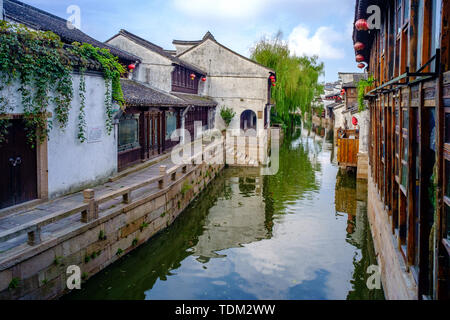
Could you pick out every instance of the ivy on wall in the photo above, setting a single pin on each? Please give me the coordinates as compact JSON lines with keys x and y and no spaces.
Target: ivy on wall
{"x":362,"y":85}
{"x":43,"y":67}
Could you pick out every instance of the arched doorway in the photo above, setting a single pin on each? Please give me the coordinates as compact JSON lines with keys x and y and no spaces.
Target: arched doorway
{"x":248,"y":120}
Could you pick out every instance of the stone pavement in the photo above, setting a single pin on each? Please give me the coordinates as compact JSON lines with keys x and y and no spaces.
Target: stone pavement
{"x":67,"y":202}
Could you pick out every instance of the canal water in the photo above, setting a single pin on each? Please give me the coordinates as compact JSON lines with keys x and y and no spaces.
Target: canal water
{"x":300,"y":234}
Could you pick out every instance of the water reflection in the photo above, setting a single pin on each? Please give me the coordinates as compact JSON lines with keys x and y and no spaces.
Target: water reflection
{"x":301,"y":234}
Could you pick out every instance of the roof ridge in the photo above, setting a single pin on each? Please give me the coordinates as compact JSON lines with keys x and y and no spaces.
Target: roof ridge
{"x":159,"y":50}
{"x":126,"y":32}
{"x":211,"y":37}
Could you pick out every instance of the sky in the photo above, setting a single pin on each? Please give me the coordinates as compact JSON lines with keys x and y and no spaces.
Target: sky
{"x":311,"y":27}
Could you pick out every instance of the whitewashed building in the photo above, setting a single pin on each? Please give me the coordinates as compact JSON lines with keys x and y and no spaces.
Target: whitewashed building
{"x":61,"y":164}
{"x":234,"y":81}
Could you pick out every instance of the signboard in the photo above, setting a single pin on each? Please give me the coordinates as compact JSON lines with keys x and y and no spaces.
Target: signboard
{"x":94,"y":135}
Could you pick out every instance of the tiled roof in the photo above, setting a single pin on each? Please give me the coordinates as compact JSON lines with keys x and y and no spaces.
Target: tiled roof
{"x":209,"y":36}
{"x":139,"y":94}
{"x":40,"y":20}
{"x":155,"y":48}
{"x":196,"y":100}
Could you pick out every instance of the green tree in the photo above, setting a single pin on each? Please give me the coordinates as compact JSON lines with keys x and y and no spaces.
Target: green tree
{"x":297,"y":77}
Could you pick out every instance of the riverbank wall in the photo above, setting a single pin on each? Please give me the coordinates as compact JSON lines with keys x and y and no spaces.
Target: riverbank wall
{"x":398,"y":282}
{"x":102,"y":230}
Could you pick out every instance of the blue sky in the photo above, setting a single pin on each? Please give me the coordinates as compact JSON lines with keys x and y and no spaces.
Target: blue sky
{"x":320,"y":27}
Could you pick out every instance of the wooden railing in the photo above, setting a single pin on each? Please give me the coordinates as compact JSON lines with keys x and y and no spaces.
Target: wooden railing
{"x":89,"y":207}
{"x":347,"y":154}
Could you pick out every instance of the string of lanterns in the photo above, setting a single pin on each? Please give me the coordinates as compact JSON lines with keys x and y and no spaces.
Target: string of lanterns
{"x":361,"y":25}
{"x":272,"y":79}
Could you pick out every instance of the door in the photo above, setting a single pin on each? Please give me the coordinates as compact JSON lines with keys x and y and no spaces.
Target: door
{"x":18,"y":167}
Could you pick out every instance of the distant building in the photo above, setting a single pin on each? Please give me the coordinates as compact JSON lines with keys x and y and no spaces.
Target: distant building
{"x":164,"y":93}
{"x":233,"y":81}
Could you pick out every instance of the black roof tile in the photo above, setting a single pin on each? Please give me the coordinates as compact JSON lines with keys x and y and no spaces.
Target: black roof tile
{"x":40,"y":20}
{"x":155,"y":48}
{"x":139,"y":94}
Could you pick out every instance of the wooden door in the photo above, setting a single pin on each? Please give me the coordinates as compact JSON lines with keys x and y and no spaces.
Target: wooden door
{"x":18,"y":167}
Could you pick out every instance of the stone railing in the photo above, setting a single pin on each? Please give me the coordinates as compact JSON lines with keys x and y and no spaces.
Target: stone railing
{"x":89,"y":209}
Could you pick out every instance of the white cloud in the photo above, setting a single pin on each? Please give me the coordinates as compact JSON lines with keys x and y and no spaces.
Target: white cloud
{"x":324,"y":43}
{"x":222,"y":8}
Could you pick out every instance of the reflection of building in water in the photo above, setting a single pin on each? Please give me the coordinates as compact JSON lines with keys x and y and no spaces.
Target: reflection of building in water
{"x":351,"y":199}
{"x":237,"y":218}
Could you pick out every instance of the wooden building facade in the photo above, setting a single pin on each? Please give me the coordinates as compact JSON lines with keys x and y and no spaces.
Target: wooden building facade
{"x":409,"y":140}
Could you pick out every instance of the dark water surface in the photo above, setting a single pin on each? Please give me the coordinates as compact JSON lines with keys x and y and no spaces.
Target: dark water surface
{"x":301,"y":234}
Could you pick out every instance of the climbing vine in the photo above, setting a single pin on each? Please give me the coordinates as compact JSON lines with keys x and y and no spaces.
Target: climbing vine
{"x":43,"y":68}
{"x":112,"y":70}
{"x":362,"y":85}
{"x":82,"y":113}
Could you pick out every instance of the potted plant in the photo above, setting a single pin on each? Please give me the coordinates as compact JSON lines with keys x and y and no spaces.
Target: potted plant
{"x":227,"y":115}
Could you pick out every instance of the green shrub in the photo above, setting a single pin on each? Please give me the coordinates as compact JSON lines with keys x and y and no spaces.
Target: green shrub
{"x":227,"y":115}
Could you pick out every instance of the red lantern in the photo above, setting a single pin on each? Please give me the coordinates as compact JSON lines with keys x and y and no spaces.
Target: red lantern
{"x":360,"y":58}
{"x":131,"y":67}
{"x":342,"y":92}
{"x":361,"y":65}
{"x":361,"y":25}
{"x":355,"y":121}
{"x":359,"y":46}
{"x":272,"y":78}
{"x":273,"y":84}
{"x":203,"y":79}
{"x":192,"y":76}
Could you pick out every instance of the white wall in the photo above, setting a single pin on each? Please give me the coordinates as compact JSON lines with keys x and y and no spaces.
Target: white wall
{"x":73,"y":165}
{"x":154,"y":68}
{"x":340,"y":116}
{"x":232,"y":81}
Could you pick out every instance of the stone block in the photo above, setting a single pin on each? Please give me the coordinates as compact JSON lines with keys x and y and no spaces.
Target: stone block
{"x":113,"y":225}
{"x":5,"y":279}
{"x":131,"y":227}
{"x":37,"y":263}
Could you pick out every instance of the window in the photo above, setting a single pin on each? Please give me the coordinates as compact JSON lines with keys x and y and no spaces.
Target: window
{"x":171,"y":124}
{"x":406,"y":11}
{"x":420,"y":21}
{"x":182,"y":81}
{"x":404,"y":161}
{"x":397,"y":139}
{"x":128,"y":132}
{"x":447,"y":172}
{"x":435,"y":28}
{"x":399,"y":16}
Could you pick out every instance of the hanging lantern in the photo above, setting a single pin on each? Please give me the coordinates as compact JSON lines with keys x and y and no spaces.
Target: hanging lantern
{"x":131,"y":67}
{"x":203,"y":79}
{"x":272,"y":78}
{"x":342,"y":92}
{"x":361,"y":25}
{"x":360,"y":58}
{"x":361,"y":65}
{"x":192,"y":76}
{"x":354,"y":121}
{"x":359,"y":46}
{"x":273,"y":84}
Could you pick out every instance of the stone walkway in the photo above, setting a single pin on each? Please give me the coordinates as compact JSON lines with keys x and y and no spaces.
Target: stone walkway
{"x":64,"y":203}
